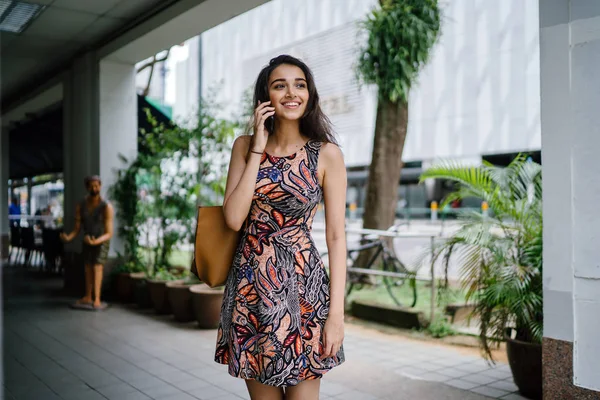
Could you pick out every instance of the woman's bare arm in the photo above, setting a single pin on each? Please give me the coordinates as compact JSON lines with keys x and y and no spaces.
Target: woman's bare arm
{"x":334,"y":189}
{"x":241,"y":181}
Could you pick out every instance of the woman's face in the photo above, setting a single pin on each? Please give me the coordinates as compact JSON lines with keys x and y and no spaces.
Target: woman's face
{"x":288,"y":91}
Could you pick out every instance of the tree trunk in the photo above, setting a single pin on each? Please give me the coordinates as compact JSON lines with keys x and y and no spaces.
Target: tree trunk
{"x":386,"y":165}
{"x":384,"y":174}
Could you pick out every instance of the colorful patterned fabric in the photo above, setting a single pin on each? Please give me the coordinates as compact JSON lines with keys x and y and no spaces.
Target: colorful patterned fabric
{"x":277,"y":294}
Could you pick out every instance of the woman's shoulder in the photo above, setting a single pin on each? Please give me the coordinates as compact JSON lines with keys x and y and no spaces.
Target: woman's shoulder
{"x":241,"y":144}
{"x":331,"y":151}
{"x":241,"y":141}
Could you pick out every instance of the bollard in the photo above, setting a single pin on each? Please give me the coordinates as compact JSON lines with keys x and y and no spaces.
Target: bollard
{"x":352,"y":210}
{"x":434,"y":210}
{"x":484,"y":208}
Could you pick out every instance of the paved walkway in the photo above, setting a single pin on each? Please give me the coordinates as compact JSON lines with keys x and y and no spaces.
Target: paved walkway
{"x":52,"y":352}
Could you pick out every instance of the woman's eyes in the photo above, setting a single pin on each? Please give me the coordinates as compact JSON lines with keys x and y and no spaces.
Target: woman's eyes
{"x":298,"y":85}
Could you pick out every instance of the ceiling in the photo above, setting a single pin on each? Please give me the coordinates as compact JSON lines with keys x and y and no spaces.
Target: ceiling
{"x":63,"y":29}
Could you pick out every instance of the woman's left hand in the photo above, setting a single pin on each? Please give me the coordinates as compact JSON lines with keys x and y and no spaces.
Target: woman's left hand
{"x":333,"y":336}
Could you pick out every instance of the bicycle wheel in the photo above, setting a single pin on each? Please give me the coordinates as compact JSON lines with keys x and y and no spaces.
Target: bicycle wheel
{"x":402,"y":286}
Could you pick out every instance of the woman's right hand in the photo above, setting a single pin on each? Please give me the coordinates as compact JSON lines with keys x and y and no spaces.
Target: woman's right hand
{"x":259,"y":139}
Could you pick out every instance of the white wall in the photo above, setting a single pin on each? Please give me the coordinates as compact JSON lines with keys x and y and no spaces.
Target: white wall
{"x":187,"y":81}
{"x":319,"y":32}
{"x":478,"y":95}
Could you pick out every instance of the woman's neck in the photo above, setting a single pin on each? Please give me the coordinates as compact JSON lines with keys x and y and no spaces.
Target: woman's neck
{"x":287,"y":134}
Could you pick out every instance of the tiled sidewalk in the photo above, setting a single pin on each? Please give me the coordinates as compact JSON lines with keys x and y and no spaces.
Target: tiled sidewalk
{"x":52,"y":352}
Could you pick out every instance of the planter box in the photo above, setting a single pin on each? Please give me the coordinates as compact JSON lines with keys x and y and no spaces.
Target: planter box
{"x":390,"y":315}
{"x":158,"y":294}
{"x":180,"y":299}
{"x":124,"y":288}
{"x":459,"y":312}
{"x":525,"y":361}
{"x":141,"y":292}
{"x":206,"y":303}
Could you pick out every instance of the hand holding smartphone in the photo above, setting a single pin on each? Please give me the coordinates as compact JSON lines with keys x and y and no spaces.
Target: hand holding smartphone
{"x":263,"y":125}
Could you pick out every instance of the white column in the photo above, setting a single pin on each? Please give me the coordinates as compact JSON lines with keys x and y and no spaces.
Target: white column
{"x":570,"y":88}
{"x":556,"y":161}
{"x":118,"y":125}
{"x":4,"y":158}
{"x":585,"y":128}
{"x":100,"y":122}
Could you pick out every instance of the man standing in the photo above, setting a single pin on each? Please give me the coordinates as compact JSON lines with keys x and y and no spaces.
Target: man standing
{"x":96,"y":216}
{"x":14,"y":209}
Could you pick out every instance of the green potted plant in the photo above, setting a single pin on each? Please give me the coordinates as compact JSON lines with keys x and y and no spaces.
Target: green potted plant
{"x":500,"y":256}
{"x":124,"y":193}
{"x":168,"y":206}
{"x":183,"y":165}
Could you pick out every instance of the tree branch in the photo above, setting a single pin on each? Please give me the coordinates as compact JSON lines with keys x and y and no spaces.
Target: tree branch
{"x":151,"y":64}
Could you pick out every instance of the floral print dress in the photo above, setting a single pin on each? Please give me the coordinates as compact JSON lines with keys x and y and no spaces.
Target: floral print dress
{"x":276,"y":298}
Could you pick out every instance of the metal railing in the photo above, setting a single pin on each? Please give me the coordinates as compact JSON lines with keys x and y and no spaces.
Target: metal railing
{"x":394,"y":234}
{"x":30,"y":220}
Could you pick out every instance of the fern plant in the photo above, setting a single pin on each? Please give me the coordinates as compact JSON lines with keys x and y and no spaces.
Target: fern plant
{"x":500,"y":254}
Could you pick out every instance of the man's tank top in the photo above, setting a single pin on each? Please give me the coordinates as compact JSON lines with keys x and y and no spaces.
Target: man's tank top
{"x":93,"y":222}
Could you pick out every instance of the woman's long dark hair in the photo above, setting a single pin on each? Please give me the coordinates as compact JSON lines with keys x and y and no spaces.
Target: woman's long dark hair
{"x":314,"y":124}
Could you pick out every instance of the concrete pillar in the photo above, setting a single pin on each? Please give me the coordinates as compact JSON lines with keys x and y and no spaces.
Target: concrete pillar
{"x":29,"y":194}
{"x":81,"y":134}
{"x":4,"y":227}
{"x":585,"y":97}
{"x":118,"y":125}
{"x":570,"y":92}
{"x":100,"y":122}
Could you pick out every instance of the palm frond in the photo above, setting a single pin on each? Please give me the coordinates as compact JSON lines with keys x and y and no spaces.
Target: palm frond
{"x":500,"y":255}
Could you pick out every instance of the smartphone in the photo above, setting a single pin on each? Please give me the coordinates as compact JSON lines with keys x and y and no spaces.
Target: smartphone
{"x":270,"y":124}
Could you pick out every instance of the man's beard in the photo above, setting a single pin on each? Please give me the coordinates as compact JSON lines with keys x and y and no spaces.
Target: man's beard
{"x":94,"y":193}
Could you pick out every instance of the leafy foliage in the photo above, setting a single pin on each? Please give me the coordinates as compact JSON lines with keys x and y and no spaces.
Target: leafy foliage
{"x":181,"y":166}
{"x":400,"y":34}
{"x":440,"y":328}
{"x":501,"y":254}
{"x":124,"y":194}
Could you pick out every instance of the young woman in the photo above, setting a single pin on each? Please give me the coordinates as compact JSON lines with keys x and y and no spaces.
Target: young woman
{"x":282,"y":321}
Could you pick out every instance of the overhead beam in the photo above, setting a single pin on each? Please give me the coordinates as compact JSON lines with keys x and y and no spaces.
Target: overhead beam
{"x":32,"y":105}
{"x":183,"y":20}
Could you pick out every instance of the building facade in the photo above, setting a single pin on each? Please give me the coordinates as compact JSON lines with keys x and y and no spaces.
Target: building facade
{"x":477,"y":97}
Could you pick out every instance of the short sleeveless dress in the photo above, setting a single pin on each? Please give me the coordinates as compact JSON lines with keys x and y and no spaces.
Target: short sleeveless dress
{"x":93,"y":224}
{"x":276,"y":298}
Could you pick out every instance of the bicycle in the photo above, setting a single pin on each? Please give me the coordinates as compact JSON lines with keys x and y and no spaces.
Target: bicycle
{"x":393,"y":273}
